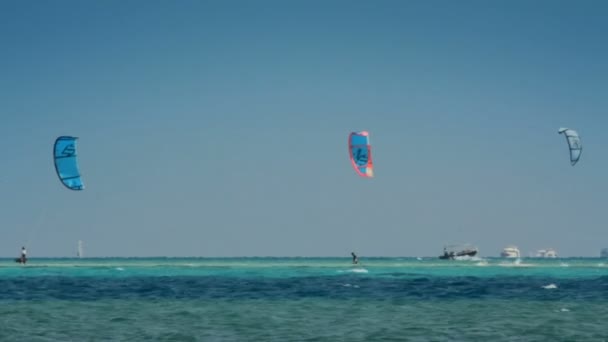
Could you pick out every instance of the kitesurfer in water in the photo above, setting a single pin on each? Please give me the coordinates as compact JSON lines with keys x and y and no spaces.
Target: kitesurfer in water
{"x":355,"y":259}
{"x":23,"y":258}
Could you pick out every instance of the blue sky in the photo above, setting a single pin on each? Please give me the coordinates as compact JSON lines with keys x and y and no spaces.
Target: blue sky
{"x":219,"y":128}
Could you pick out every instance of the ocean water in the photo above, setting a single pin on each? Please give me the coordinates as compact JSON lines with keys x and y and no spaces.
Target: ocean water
{"x":303,"y":299}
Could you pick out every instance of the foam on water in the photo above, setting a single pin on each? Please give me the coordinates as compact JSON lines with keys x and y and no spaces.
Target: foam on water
{"x":359,"y":270}
{"x":468,"y":258}
{"x":516,"y":263}
{"x":354,"y":270}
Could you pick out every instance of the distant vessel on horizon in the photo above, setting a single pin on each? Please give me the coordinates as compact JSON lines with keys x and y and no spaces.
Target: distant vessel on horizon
{"x":510,"y":251}
{"x":604,"y":253}
{"x":546,"y":253}
{"x":450,"y":252}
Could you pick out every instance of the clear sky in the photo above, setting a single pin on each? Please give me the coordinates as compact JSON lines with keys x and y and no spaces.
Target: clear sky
{"x":219,"y":128}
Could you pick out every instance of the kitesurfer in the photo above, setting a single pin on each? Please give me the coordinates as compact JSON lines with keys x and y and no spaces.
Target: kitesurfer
{"x":23,"y":258}
{"x":355,"y":259}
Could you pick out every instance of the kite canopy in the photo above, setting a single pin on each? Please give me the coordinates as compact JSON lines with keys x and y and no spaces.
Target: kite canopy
{"x":66,"y":164}
{"x":361,"y":153}
{"x":574,"y":143}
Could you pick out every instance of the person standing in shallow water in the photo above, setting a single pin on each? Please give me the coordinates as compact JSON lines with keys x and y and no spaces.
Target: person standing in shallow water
{"x":355,"y":259}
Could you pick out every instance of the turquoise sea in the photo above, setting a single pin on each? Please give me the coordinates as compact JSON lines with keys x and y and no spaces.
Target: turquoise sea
{"x":304,"y":299}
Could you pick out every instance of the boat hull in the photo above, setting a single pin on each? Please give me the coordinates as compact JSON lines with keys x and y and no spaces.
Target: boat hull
{"x":452,"y":255}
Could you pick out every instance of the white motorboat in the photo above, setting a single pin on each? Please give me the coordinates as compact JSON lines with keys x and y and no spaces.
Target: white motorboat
{"x":546,"y":253}
{"x":510,"y":252}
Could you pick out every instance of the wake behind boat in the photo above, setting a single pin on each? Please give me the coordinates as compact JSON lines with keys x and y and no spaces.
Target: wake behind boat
{"x":451,"y":252}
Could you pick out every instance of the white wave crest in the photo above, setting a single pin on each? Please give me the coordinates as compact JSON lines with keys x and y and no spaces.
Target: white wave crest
{"x":354,"y":270}
{"x":516,"y":263}
{"x":359,"y":270}
{"x":468,"y":258}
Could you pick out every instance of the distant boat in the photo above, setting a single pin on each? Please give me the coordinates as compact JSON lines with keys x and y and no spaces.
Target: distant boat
{"x":546,"y":253}
{"x":604,"y":253}
{"x":510,"y":252}
{"x":451,"y":252}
